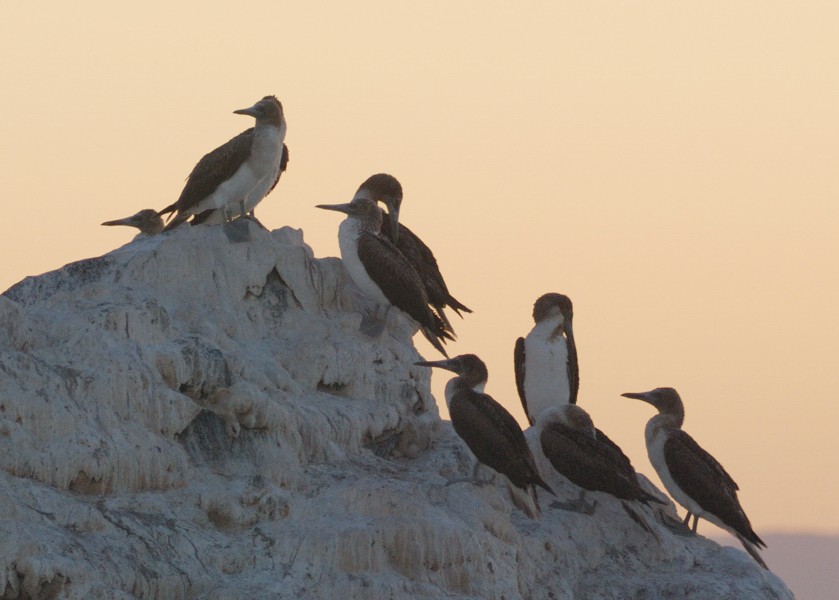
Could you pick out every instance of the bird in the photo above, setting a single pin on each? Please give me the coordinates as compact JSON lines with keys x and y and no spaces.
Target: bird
{"x":386,"y":189}
{"x":567,"y":437}
{"x":693,"y":477}
{"x":147,"y":221}
{"x":491,"y":433}
{"x":545,"y":362}
{"x":237,"y":175}
{"x":216,"y":217}
{"x":379,"y":270}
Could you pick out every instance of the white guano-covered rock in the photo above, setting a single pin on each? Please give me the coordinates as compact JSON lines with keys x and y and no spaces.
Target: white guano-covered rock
{"x":196,"y":415}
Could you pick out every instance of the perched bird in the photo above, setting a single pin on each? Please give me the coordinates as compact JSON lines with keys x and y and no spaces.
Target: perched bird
{"x":569,"y":441}
{"x":386,"y":189}
{"x":237,"y":175}
{"x":545,"y":362}
{"x":147,"y":221}
{"x":216,"y":217}
{"x":379,"y":270}
{"x":692,"y":476}
{"x":490,"y":432}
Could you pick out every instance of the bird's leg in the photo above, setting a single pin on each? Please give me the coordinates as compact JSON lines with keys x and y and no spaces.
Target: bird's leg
{"x":677,"y":527}
{"x":579,"y":505}
{"x":695,"y":523}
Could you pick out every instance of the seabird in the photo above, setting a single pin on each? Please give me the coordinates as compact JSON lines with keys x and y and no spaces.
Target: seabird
{"x":237,"y":175}
{"x":692,"y":476}
{"x":490,"y":432}
{"x":546,"y":367}
{"x":216,"y":217}
{"x":569,"y":440}
{"x":147,"y":221}
{"x":387,"y":189}
{"x":380,"y":271}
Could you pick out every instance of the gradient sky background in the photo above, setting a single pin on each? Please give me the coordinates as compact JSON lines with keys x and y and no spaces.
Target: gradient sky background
{"x":672,"y":167}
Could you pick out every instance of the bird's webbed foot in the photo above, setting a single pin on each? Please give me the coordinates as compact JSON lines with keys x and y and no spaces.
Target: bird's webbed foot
{"x":579,"y":505}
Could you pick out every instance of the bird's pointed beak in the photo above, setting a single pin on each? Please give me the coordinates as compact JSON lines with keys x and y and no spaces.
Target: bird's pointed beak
{"x":344,"y":208}
{"x":130,"y":221}
{"x":250,"y":111}
{"x":443,"y":364}
{"x":393,"y":218}
{"x":637,"y":396}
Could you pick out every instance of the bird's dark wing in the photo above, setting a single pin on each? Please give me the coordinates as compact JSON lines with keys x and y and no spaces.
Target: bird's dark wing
{"x":519,"y":369}
{"x":494,"y":437}
{"x":422,"y":259}
{"x":572,"y":369}
{"x":283,"y":167}
{"x":704,"y":479}
{"x":212,"y":170}
{"x":400,"y":284}
{"x":590,"y":462}
{"x":616,"y":455}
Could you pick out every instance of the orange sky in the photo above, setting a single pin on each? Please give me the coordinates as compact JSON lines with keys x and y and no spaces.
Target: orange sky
{"x":670,"y":167}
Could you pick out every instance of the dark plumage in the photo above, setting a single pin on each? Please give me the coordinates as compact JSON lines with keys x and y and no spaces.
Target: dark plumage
{"x":207,"y":214}
{"x":694,"y":478}
{"x":491,"y":433}
{"x":387,"y":189}
{"x":588,"y":458}
{"x":380,"y":270}
{"x":261,"y":146}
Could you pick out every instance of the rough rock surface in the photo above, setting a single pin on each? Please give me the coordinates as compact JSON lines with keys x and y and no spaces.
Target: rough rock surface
{"x":196,"y":415}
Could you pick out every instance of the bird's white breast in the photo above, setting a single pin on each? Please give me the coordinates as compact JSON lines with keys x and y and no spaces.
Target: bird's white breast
{"x":348,"y":233}
{"x":546,"y":368}
{"x":266,"y":154}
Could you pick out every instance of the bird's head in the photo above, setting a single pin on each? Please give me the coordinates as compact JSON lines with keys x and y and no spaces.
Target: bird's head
{"x":269,"y":110}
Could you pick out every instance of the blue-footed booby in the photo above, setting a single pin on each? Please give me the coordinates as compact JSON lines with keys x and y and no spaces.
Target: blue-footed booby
{"x":490,"y":432}
{"x":379,"y":270}
{"x":216,"y":217}
{"x":570,"y":442}
{"x":387,"y":189}
{"x":692,"y":476}
{"x":237,"y":175}
{"x":147,"y":221}
{"x":546,"y":367}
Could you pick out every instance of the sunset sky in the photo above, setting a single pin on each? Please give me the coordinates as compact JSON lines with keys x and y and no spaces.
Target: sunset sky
{"x":672,"y":167}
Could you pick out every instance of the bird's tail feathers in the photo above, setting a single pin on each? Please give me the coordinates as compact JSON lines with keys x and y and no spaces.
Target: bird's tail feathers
{"x":456,"y":306}
{"x":751,"y":549}
{"x":525,"y":499}
{"x":433,"y":339}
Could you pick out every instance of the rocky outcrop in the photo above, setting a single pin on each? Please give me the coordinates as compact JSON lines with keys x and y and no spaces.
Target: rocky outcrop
{"x":196,"y":415}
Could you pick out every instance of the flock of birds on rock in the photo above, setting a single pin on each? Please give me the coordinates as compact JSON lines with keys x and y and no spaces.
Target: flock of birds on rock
{"x":394,"y":268}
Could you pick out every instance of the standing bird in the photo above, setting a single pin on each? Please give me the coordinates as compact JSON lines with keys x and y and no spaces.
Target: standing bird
{"x":692,"y":476}
{"x":490,"y":432}
{"x":379,"y":269}
{"x":569,"y":441}
{"x":216,"y":217}
{"x":545,"y":362}
{"x":237,"y":175}
{"x":387,"y":189}
{"x":147,"y":221}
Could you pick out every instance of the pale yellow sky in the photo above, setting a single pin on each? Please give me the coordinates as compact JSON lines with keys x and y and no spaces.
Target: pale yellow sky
{"x":670,"y":167}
